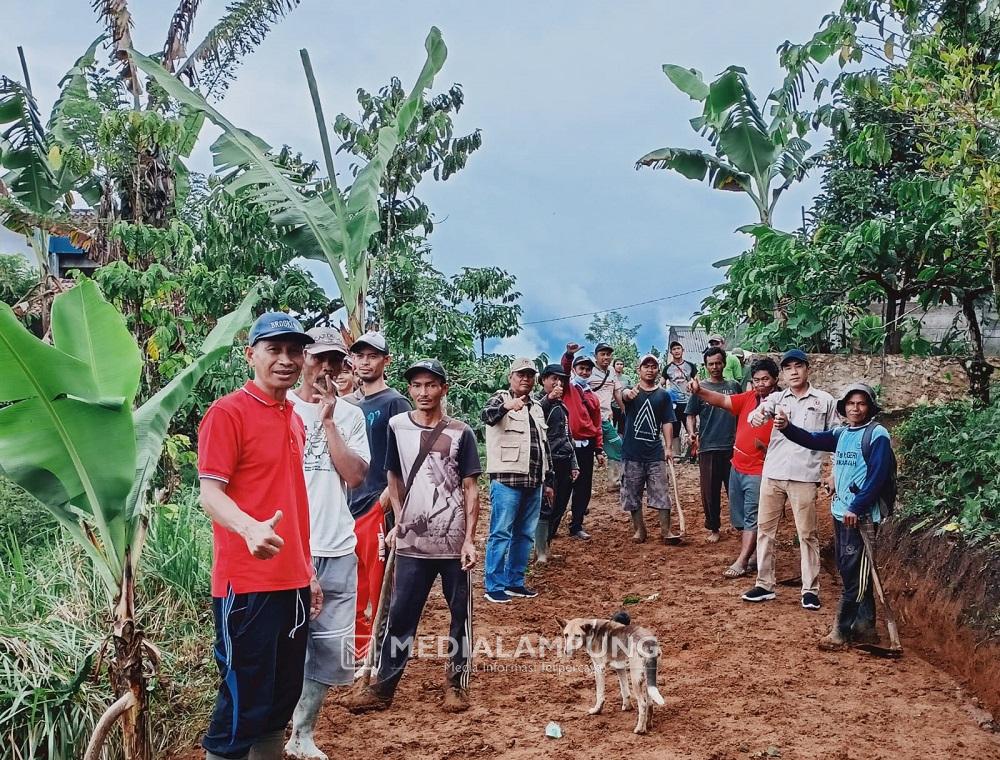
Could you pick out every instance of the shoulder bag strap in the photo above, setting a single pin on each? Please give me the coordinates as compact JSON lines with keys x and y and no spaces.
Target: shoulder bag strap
{"x":425,"y":449}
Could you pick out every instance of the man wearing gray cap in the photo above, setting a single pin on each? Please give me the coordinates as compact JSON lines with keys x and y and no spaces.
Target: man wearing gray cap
{"x":336,"y":458}
{"x":518,"y":461}
{"x":369,"y":502}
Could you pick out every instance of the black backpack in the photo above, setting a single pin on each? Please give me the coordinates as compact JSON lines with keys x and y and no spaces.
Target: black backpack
{"x":886,"y":498}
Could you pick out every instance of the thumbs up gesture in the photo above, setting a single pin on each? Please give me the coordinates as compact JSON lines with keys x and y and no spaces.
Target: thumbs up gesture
{"x":262,"y":541}
{"x":780,"y":419}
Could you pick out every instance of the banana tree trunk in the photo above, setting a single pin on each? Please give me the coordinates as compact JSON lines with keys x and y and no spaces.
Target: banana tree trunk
{"x":356,"y":316}
{"x":128,"y":679}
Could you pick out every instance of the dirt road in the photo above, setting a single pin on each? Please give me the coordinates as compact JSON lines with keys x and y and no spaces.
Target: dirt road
{"x":740,"y":680}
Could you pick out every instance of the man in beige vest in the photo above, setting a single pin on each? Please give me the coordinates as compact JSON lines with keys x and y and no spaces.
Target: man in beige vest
{"x":518,"y":462}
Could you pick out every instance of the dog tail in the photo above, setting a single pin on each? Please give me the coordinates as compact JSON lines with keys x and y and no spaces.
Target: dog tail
{"x":651,"y":690}
{"x":622,"y":617}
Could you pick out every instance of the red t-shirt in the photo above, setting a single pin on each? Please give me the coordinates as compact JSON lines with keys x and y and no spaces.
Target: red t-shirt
{"x":254,"y":444}
{"x":748,"y":457}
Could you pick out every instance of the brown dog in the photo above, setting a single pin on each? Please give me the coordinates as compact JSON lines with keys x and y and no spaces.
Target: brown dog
{"x":630,"y":650}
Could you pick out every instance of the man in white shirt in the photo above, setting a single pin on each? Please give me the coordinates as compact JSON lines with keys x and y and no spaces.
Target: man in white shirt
{"x":336,"y":457}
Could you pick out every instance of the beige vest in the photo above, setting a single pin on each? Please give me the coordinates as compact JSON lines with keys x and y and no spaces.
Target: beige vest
{"x":508,"y":443}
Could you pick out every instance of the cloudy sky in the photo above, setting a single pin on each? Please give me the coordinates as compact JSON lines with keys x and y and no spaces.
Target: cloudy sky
{"x":568,"y":94}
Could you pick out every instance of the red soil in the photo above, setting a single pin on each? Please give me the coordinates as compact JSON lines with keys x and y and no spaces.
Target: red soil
{"x":740,"y":680}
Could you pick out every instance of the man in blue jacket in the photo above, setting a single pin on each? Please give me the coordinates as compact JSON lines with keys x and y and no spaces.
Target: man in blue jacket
{"x":859,"y":482}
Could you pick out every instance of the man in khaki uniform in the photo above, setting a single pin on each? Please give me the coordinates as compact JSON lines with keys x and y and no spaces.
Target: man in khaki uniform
{"x":793,"y":473}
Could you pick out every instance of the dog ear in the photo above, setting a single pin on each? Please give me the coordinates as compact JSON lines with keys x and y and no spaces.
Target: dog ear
{"x":588,"y":626}
{"x":562,"y":623}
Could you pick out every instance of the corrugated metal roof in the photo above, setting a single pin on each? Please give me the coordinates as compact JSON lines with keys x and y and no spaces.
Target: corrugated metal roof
{"x":694,"y":340}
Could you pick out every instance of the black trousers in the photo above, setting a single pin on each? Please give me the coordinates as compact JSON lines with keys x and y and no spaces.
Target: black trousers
{"x":260,"y":648}
{"x":856,"y":616}
{"x":563,"y":487}
{"x":713,"y":467}
{"x":412,"y":582}
{"x":582,"y":485}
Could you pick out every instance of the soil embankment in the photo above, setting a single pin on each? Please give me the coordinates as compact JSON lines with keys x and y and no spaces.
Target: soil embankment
{"x":740,"y":680}
{"x":947,"y":596}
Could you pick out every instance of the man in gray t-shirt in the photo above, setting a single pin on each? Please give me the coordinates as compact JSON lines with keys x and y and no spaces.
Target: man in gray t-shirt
{"x":714,"y":437}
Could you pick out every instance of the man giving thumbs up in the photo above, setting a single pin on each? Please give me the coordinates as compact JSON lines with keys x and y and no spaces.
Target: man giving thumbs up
{"x":250,"y":450}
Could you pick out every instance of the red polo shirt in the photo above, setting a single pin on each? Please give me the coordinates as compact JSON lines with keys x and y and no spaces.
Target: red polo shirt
{"x":748,"y":457}
{"x":253,"y":444}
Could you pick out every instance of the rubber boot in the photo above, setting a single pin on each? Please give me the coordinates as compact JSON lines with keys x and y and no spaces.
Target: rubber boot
{"x":640,"y":526}
{"x":676,"y":448}
{"x":664,"y":517}
{"x":301,"y":745}
{"x":542,"y":542}
{"x":268,"y":747}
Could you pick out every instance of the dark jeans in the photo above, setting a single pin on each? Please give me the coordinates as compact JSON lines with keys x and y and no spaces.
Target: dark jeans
{"x":856,"y":617}
{"x":563,"y":487}
{"x":412,"y":582}
{"x":679,"y":417}
{"x":713,"y":466}
{"x":582,"y":485}
{"x":260,"y":648}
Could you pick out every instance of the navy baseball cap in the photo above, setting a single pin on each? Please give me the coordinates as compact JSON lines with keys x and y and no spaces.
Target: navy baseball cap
{"x":794,"y":354}
{"x":602,"y":346}
{"x":426,"y":365}
{"x":277,"y":324}
{"x":554,"y":369}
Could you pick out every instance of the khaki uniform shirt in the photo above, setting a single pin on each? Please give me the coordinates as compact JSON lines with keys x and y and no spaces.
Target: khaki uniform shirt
{"x":816,"y":411}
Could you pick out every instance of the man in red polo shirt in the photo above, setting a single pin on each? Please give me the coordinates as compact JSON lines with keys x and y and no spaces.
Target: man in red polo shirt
{"x":748,"y":455}
{"x":250,"y":446}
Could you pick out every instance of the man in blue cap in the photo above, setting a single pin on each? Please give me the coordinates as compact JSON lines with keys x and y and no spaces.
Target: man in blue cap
{"x":264,"y":590}
{"x":791,"y":473}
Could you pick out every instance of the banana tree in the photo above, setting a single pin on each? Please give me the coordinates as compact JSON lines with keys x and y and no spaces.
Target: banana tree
{"x":750,"y":155}
{"x":72,"y":440}
{"x":330,"y":225}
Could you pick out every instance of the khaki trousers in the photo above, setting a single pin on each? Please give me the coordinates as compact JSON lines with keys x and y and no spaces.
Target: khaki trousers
{"x":802,"y":497}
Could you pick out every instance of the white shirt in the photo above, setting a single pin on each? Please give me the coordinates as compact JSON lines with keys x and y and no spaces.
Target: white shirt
{"x":604,"y":384}
{"x":331,"y":526}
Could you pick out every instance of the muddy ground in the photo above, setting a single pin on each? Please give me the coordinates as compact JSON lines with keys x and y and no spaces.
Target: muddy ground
{"x":740,"y":680}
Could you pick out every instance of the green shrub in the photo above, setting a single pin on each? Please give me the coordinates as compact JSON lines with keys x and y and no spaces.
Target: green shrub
{"x":53,"y":623}
{"x":950,"y":474}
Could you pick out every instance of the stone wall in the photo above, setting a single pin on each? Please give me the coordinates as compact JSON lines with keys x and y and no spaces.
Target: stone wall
{"x":902,"y":383}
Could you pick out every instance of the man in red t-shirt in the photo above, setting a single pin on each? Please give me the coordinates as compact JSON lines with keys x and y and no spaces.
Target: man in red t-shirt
{"x":748,"y":455}
{"x":250,"y":445}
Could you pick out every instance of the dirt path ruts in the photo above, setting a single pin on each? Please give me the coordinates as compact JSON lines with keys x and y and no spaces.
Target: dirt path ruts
{"x":740,"y":680}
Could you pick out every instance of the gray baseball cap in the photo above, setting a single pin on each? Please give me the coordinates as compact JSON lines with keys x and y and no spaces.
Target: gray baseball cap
{"x":326,"y":339}
{"x":372,"y":339}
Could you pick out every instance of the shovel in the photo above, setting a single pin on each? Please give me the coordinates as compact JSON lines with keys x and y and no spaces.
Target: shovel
{"x":677,"y":502}
{"x":895,"y":649}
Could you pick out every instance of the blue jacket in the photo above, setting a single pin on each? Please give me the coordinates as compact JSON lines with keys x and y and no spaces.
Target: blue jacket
{"x":849,"y":466}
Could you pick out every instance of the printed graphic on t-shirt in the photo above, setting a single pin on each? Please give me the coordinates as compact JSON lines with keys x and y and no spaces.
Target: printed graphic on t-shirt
{"x":432,"y":523}
{"x":645,"y":426}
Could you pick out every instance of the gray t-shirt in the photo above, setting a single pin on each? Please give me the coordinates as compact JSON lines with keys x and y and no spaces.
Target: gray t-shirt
{"x":716,"y":427}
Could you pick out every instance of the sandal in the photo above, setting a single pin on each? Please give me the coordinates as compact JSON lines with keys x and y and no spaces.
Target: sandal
{"x":734,"y":571}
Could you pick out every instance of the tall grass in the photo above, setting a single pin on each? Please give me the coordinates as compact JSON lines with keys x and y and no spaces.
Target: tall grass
{"x":54,"y":619}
